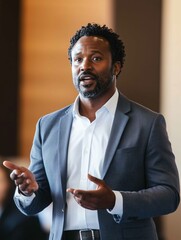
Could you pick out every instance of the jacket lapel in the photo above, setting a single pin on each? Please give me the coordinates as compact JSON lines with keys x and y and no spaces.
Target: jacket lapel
{"x":64,"y":135}
{"x":119,"y":124}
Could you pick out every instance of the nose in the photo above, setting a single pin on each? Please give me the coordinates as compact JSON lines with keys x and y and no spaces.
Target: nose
{"x":86,"y":65}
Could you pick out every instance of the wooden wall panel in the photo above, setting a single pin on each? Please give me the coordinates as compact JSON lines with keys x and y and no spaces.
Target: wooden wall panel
{"x":46,"y":83}
{"x":139,"y":25}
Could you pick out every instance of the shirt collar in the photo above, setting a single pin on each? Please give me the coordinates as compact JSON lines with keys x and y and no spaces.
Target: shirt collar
{"x":110,"y":105}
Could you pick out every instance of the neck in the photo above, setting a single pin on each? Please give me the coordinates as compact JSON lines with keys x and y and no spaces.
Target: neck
{"x":88,"y":107}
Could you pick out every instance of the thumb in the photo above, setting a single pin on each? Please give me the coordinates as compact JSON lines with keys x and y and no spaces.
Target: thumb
{"x":95,"y":180}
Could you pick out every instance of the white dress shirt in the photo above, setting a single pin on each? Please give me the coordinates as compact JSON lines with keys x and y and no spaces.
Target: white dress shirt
{"x":86,"y":152}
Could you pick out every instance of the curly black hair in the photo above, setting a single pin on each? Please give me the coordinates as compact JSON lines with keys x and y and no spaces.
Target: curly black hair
{"x":116,"y":44}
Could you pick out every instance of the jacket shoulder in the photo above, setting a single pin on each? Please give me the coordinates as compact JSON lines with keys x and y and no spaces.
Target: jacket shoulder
{"x":56,"y":114}
{"x":54,"y":117}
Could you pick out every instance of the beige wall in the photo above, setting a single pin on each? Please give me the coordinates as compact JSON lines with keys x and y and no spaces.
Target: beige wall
{"x":171,"y":94}
{"x":46,"y":83}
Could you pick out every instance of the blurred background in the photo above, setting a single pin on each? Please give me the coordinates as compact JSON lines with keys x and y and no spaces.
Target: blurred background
{"x":36,"y":76}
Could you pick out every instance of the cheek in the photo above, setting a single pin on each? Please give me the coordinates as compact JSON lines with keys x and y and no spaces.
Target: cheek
{"x":74,"y":74}
{"x":75,"y":70}
{"x":105,"y":71}
{"x":106,"y":75}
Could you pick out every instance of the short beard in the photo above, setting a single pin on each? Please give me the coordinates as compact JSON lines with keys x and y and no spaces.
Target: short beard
{"x":91,"y":94}
{"x":99,"y":89}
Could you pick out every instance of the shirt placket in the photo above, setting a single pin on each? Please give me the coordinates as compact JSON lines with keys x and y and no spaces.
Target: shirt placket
{"x":86,"y":150}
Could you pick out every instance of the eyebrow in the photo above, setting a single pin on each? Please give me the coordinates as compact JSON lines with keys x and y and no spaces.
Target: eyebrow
{"x":92,"y":52}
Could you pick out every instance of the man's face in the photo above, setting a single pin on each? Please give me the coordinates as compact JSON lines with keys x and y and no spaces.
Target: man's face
{"x":92,"y":68}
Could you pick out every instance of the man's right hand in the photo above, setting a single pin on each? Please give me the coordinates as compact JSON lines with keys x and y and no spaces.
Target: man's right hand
{"x":23,"y":178}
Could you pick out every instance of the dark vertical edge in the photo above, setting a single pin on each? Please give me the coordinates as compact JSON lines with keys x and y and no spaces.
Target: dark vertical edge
{"x":9,"y":78}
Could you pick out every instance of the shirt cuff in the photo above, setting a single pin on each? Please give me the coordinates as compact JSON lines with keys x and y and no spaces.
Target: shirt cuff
{"x":118,"y":207}
{"x":25,"y":200}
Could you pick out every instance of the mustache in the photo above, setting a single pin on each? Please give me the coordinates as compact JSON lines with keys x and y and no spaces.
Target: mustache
{"x":87,"y":74}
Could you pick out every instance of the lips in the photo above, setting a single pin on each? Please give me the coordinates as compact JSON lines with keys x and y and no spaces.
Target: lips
{"x":85,"y":77}
{"x":86,"y":80}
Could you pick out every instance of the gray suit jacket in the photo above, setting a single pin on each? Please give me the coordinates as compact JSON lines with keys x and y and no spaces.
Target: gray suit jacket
{"x":138,"y":162}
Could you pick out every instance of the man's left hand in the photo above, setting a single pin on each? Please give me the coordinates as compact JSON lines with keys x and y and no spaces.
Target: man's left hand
{"x":101,"y":198}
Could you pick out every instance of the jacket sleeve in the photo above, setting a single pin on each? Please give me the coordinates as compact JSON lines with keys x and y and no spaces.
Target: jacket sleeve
{"x":161,"y":195}
{"x":42,"y":197}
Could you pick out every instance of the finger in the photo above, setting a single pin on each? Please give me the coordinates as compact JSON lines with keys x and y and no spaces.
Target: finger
{"x":76,"y":192}
{"x":23,"y":186}
{"x":95,"y":180}
{"x":27,"y":190}
{"x":26,"y":185}
{"x":86,"y":204}
{"x":11,"y":165}
{"x":19,"y":175}
{"x":15,"y":174}
{"x":70,"y":190}
{"x":20,"y":179}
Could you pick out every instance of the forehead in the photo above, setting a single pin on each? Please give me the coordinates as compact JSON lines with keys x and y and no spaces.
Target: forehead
{"x":92,"y":44}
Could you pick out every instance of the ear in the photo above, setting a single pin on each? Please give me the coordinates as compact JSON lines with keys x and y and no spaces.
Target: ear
{"x":116,"y":68}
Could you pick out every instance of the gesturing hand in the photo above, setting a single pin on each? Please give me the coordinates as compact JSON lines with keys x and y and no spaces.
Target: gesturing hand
{"x":23,"y":178}
{"x":101,"y":198}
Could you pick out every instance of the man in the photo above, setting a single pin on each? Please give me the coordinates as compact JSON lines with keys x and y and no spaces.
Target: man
{"x":105,"y":162}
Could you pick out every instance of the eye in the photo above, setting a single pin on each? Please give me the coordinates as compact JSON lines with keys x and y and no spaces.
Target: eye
{"x":77,"y":60}
{"x":97,"y":59}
